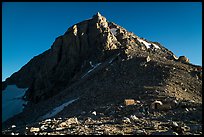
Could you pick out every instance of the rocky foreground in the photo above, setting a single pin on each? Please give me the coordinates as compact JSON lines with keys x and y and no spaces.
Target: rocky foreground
{"x":177,"y":118}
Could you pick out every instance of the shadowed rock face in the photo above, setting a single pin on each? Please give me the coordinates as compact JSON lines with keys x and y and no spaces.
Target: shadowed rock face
{"x":94,"y":40}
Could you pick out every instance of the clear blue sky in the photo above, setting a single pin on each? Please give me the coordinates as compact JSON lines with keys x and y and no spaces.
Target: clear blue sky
{"x":30,"y":28}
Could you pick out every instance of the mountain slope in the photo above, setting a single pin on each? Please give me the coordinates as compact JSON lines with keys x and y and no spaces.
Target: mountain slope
{"x":99,"y":64}
{"x":91,"y":40}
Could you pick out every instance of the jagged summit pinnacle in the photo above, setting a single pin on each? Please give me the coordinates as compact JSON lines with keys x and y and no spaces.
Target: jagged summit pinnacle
{"x":98,"y":14}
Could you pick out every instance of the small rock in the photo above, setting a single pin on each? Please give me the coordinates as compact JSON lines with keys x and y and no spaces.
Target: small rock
{"x":191,"y":101}
{"x":33,"y":129}
{"x":43,"y":127}
{"x":128,"y":102}
{"x":156,"y":104}
{"x":137,"y":101}
{"x":148,"y":59}
{"x":126,"y":120}
{"x":185,"y":128}
{"x":59,"y":128}
{"x":72,"y":121}
{"x":94,"y":113}
{"x":43,"y":133}
{"x":174,"y":124}
{"x":140,"y":132}
{"x":134,"y":118}
{"x":186,"y":109}
{"x":13,"y":126}
{"x":121,"y":106}
{"x":174,"y":103}
{"x":48,"y":120}
{"x":63,"y":124}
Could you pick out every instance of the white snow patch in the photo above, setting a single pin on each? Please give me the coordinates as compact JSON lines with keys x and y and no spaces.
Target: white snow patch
{"x":12,"y":102}
{"x":147,"y":44}
{"x":57,"y":109}
{"x":156,"y":46}
{"x":90,"y":62}
{"x":113,"y":30}
{"x":113,"y":58}
{"x":94,"y":113}
{"x":95,"y":66}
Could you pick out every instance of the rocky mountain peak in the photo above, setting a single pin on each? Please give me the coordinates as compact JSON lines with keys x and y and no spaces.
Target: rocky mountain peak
{"x":97,"y":15}
{"x":95,"y":40}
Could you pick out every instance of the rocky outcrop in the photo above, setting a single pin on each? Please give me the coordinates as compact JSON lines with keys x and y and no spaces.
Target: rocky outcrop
{"x":183,"y":59}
